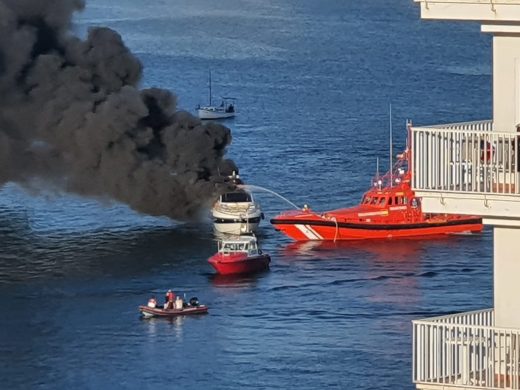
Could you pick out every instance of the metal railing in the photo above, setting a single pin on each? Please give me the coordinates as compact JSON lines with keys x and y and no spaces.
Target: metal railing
{"x":465,"y":157}
{"x":466,"y":350}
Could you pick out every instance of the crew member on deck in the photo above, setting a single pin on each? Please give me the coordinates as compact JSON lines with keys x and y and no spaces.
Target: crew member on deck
{"x":152,"y":302}
{"x":168,"y":299}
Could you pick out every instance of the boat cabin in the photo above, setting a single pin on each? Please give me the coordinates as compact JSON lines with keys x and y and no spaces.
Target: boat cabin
{"x":228,"y":104}
{"x":240,"y":245}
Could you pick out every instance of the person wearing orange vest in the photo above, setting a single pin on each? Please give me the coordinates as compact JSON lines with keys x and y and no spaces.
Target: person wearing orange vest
{"x":169,"y":298}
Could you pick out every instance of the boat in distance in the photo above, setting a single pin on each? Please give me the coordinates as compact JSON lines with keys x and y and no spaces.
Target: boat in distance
{"x":389,"y":209}
{"x":177,"y":308}
{"x":226,"y":109}
{"x":239,"y":256}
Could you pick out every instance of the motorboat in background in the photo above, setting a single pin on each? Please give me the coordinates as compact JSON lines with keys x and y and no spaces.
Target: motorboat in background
{"x":239,"y":256}
{"x":236,"y":212}
{"x":226,"y":109}
{"x":389,"y":209}
{"x":179,"y":308}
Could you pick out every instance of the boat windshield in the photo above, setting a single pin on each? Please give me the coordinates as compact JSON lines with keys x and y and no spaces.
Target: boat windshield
{"x":236,"y":197}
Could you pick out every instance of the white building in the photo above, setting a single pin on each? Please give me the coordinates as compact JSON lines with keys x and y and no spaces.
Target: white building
{"x":474,"y":168}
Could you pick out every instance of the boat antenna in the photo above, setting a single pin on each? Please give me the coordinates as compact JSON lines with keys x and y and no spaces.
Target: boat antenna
{"x":377,"y":168}
{"x":209,"y":78}
{"x":391,"y":151}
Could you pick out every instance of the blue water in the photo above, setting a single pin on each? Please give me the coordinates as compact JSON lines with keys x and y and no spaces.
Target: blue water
{"x":314,"y":81}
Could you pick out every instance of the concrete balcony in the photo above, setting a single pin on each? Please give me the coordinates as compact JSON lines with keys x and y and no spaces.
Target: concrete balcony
{"x":467,"y":168}
{"x":465,"y":350}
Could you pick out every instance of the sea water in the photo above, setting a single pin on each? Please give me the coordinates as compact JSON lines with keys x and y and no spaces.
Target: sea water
{"x":314,"y":80}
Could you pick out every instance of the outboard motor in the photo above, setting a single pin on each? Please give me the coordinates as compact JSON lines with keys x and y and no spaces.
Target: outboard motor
{"x":194,"y":301}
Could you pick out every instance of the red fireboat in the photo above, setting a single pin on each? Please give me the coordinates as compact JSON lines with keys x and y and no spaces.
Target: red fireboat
{"x":239,"y":256}
{"x":389,"y":209}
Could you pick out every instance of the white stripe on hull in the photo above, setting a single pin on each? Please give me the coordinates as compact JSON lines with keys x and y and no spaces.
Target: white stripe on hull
{"x":309,"y":232}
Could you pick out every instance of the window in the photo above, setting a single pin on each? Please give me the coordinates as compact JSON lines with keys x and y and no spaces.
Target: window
{"x":236,"y":197}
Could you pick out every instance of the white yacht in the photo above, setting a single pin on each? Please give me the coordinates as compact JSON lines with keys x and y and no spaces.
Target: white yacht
{"x":236,"y":213}
{"x":226,"y":109}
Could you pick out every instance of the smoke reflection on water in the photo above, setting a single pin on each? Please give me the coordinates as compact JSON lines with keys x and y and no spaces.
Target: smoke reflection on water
{"x":30,"y":252}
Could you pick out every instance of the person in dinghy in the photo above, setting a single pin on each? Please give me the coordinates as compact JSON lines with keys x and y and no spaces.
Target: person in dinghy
{"x":175,"y":305}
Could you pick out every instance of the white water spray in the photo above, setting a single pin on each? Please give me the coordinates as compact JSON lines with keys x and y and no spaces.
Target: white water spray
{"x":253,"y":187}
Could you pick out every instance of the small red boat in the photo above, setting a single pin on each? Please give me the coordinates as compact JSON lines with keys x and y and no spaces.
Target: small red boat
{"x":239,"y":256}
{"x":389,"y":209}
{"x":180,"y":308}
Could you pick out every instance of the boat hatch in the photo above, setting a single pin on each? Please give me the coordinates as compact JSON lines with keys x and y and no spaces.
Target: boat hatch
{"x":236,"y":197}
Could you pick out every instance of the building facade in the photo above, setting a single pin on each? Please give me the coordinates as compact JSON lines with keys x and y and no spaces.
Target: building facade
{"x":474,"y":168}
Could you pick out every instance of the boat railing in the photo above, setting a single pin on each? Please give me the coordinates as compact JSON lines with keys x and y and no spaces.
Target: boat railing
{"x":395,"y":177}
{"x":465,"y":350}
{"x":247,"y":207}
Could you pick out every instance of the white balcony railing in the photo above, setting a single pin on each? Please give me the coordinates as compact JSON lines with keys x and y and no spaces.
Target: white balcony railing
{"x":465,"y":157}
{"x":465,"y":350}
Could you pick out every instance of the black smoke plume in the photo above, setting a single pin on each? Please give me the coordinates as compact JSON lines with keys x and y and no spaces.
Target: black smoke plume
{"x":72,"y":118}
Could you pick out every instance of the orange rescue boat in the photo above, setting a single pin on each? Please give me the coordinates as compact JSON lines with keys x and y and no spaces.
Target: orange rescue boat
{"x":389,"y":209}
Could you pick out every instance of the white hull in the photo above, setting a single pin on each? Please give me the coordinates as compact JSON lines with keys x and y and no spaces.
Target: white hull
{"x":236,"y":228}
{"x":236,"y":218}
{"x":214,"y":113}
